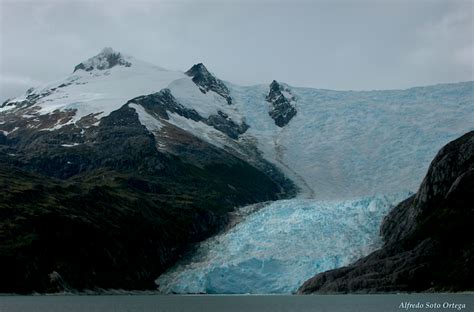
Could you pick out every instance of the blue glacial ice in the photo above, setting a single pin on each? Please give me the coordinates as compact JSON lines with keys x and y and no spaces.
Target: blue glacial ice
{"x":348,"y":144}
{"x":340,"y":148}
{"x":277,"y":248}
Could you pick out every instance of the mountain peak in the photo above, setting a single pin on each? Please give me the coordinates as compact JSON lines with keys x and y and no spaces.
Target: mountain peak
{"x":106,"y":59}
{"x":207,"y":82}
{"x":198,"y":69}
{"x":275,"y":86}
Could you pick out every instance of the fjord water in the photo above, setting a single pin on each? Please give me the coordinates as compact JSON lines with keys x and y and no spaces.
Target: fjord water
{"x":277,"y":248}
{"x":337,"y":303}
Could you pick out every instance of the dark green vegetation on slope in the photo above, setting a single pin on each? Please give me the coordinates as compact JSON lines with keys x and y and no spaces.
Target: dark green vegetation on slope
{"x":429,"y":237}
{"x":113,"y":211}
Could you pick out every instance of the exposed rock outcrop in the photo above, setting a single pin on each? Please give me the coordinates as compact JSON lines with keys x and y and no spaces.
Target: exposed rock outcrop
{"x":282,"y":109}
{"x":163,"y":102}
{"x":429,"y":243}
{"x":225,"y":124}
{"x":106,"y":59}
{"x":207,"y":82}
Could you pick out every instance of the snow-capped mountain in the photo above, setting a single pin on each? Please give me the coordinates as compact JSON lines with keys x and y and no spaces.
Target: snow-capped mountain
{"x":333,"y":144}
{"x":186,"y":148}
{"x":194,"y":101}
{"x":97,"y":87}
{"x":116,"y":170}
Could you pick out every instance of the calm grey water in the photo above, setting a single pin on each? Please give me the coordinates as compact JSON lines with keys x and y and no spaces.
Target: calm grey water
{"x":142,"y":303}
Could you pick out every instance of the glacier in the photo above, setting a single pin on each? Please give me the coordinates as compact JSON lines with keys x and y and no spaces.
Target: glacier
{"x":348,"y":144}
{"x":278,"y":247}
{"x":345,"y":150}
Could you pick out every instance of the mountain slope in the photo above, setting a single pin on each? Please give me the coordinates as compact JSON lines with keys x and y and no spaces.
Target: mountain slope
{"x":96,"y":201}
{"x":332,"y":144}
{"x":428,"y":236}
{"x":189,"y":138}
{"x":116,"y":233}
{"x":174,"y":203}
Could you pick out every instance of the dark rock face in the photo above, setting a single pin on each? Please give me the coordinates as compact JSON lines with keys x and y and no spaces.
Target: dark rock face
{"x":207,"y":82}
{"x":162,"y":102}
{"x":223,"y":123}
{"x":119,"y":142}
{"x":282,"y":110}
{"x":429,"y":243}
{"x":3,"y":139}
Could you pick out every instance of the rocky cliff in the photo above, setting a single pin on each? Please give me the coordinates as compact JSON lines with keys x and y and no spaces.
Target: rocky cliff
{"x":429,"y":243}
{"x":281,"y":101}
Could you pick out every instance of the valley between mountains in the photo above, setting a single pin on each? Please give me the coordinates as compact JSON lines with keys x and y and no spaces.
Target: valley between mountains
{"x":126,"y":175}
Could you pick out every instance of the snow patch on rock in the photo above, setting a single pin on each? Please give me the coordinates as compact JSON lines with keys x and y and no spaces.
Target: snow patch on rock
{"x":152,"y":123}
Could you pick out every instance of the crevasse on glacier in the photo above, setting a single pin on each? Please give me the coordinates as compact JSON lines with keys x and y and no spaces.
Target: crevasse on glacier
{"x":278,"y":247}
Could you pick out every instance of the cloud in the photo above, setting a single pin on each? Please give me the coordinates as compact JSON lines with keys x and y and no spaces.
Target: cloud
{"x":343,"y":44}
{"x":11,"y":86}
{"x":18,"y":80}
{"x":465,"y":56}
{"x":448,"y":41}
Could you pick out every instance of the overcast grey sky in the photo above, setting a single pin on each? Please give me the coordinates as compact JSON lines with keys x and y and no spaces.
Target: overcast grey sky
{"x":338,"y":44}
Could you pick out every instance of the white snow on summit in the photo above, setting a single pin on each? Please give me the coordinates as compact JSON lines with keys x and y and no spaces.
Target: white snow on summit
{"x":102,"y":91}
